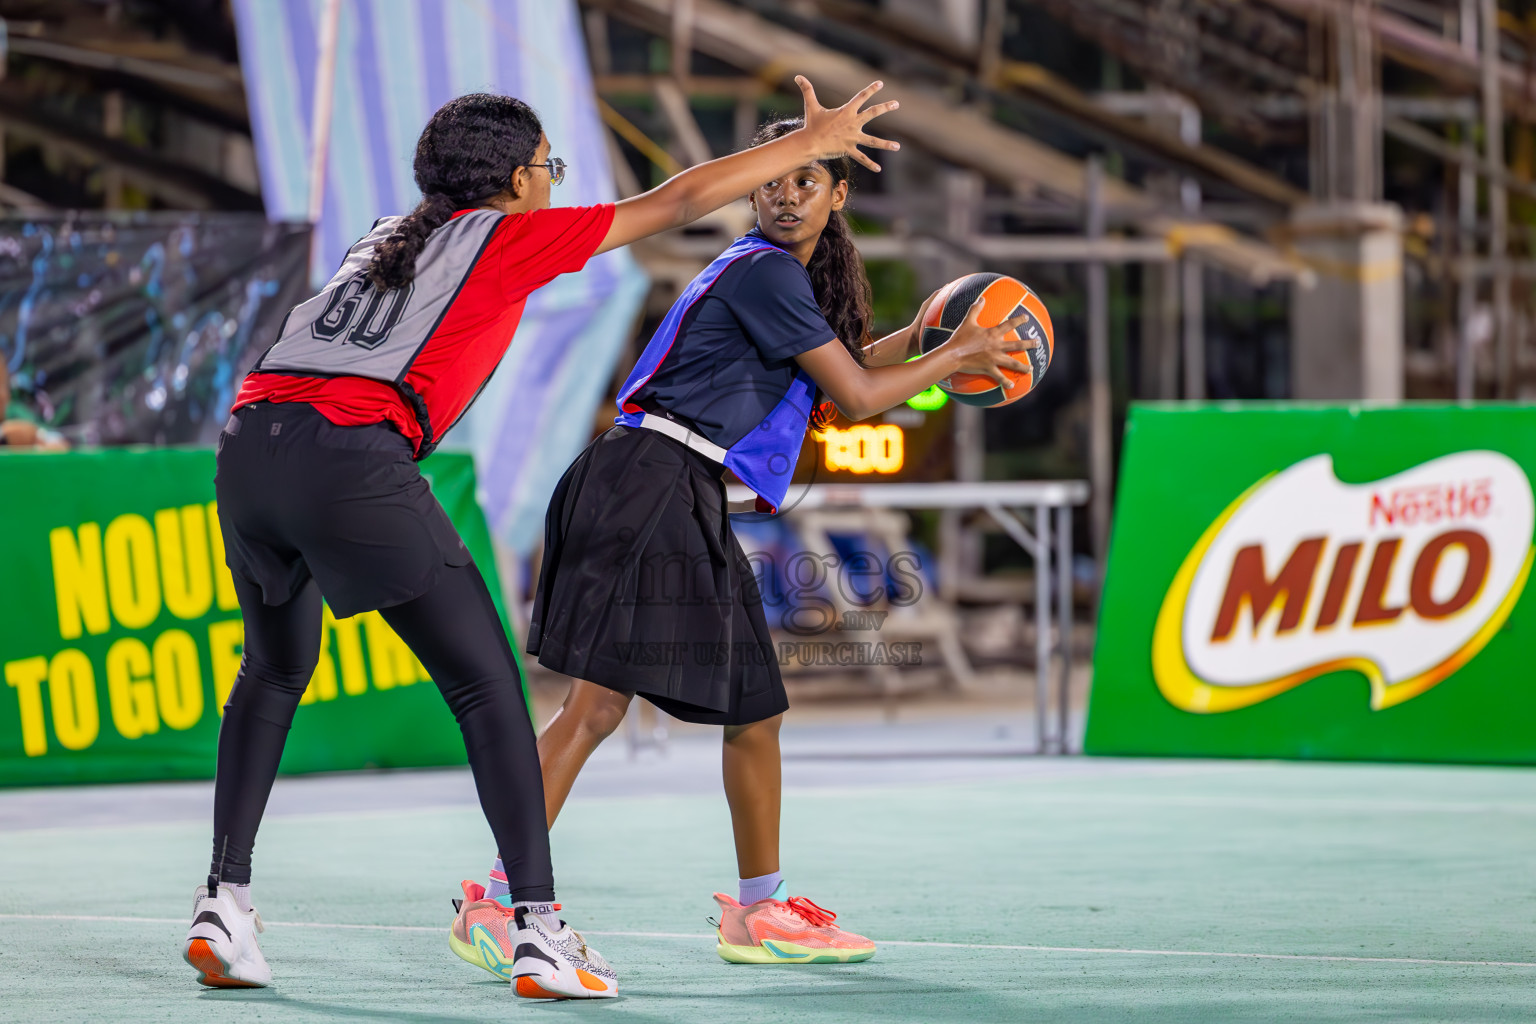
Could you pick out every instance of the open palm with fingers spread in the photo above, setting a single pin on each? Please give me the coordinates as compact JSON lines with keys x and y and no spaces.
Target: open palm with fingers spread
{"x":839,"y":131}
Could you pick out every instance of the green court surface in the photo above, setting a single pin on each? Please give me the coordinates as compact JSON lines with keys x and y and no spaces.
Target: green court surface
{"x":1001,"y":890}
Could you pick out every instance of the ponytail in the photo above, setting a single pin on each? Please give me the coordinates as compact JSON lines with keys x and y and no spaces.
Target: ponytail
{"x":841,"y":285}
{"x":394,"y":259}
{"x":467,"y":154}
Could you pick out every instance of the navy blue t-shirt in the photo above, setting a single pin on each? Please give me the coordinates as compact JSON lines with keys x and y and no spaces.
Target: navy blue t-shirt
{"x":734,"y":357}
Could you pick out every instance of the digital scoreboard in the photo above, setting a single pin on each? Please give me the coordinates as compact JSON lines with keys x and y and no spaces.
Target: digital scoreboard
{"x":912,"y":442}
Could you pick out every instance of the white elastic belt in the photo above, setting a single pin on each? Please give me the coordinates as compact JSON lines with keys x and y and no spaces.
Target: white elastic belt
{"x":677,"y":432}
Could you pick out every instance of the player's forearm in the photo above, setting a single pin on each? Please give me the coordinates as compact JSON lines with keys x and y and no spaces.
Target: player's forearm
{"x":896,"y":347}
{"x":684,"y":198}
{"x":863,"y":391}
{"x":709,"y":186}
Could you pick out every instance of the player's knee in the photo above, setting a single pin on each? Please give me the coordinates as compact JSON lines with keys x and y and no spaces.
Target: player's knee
{"x":765,"y":731}
{"x":595,"y":710}
{"x":601,"y":719}
{"x":289,"y":676}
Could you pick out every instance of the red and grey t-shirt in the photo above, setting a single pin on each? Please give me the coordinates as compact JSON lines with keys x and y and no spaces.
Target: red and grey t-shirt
{"x":417,"y":356}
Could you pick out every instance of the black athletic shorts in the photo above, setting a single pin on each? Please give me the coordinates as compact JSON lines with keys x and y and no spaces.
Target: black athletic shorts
{"x":301,"y":498}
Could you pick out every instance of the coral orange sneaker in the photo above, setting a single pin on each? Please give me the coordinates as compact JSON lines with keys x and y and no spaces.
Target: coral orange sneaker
{"x":793,"y":931}
{"x":483,"y":932}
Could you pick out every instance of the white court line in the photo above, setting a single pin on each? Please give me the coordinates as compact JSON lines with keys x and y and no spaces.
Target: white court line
{"x":1240,"y":956}
{"x":696,"y":936}
{"x":1298,"y":802}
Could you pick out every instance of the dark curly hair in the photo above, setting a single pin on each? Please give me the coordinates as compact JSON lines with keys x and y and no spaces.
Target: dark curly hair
{"x":467,"y":154}
{"x":836,"y":268}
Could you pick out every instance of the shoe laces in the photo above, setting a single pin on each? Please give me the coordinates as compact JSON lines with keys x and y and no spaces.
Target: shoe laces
{"x":500,"y":908}
{"x":588,"y":954}
{"x":575,"y":943}
{"x":809,"y":912}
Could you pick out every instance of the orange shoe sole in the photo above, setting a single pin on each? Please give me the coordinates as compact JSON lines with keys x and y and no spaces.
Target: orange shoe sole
{"x":530,"y":989}
{"x":210,"y":970}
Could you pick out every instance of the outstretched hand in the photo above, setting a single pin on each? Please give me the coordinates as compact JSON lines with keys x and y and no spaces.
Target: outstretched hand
{"x":698,"y":190}
{"x":839,"y":131}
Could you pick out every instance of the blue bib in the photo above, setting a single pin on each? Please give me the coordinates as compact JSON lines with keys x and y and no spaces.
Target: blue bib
{"x":764,"y":458}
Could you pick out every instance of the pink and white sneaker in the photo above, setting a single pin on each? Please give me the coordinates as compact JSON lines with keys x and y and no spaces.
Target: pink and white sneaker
{"x":792,"y":931}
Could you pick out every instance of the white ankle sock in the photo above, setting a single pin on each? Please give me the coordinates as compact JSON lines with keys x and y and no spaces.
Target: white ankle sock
{"x":242,"y":894}
{"x":547,"y":912}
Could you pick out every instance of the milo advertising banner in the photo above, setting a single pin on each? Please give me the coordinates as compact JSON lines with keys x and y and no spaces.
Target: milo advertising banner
{"x":1329,"y":582}
{"x":120,"y":636}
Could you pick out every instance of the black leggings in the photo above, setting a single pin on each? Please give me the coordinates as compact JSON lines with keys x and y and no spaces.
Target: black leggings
{"x":455,"y":631}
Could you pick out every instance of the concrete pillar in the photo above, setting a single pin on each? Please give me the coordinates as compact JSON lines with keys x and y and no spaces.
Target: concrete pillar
{"x":1347,"y":330}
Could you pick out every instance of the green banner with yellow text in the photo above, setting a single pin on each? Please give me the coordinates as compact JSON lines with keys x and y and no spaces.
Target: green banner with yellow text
{"x":1321,"y":581}
{"x":120,"y":636}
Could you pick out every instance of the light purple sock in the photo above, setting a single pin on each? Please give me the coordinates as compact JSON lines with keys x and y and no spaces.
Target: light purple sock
{"x":750,"y":890}
{"x":498,"y":882}
{"x":499,"y":890}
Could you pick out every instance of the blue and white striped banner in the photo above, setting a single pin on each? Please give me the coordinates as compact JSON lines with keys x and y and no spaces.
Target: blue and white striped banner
{"x":397,"y":61}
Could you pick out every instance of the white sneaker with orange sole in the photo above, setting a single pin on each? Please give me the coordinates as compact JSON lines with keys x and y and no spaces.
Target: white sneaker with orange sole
{"x":517,"y":946}
{"x":221,"y":944}
{"x":551,"y":964}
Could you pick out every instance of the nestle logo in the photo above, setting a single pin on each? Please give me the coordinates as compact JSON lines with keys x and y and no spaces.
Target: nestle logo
{"x":1287,"y":584}
{"x":1432,"y":503}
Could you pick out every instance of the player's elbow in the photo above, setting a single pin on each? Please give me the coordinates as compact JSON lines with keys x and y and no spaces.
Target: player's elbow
{"x":854,"y":407}
{"x":684,"y":205}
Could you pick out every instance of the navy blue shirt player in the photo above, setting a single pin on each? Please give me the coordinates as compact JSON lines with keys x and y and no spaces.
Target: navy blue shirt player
{"x":644,"y":588}
{"x":722,"y":364}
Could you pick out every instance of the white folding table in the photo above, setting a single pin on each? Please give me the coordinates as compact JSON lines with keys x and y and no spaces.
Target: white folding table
{"x":1007,"y":502}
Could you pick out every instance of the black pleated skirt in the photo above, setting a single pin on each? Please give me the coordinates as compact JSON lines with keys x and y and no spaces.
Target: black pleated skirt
{"x":645,"y":589}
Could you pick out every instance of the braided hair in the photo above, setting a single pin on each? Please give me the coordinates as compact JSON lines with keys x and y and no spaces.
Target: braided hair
{"x":836,"y":268}
{"x":467,"y":154}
